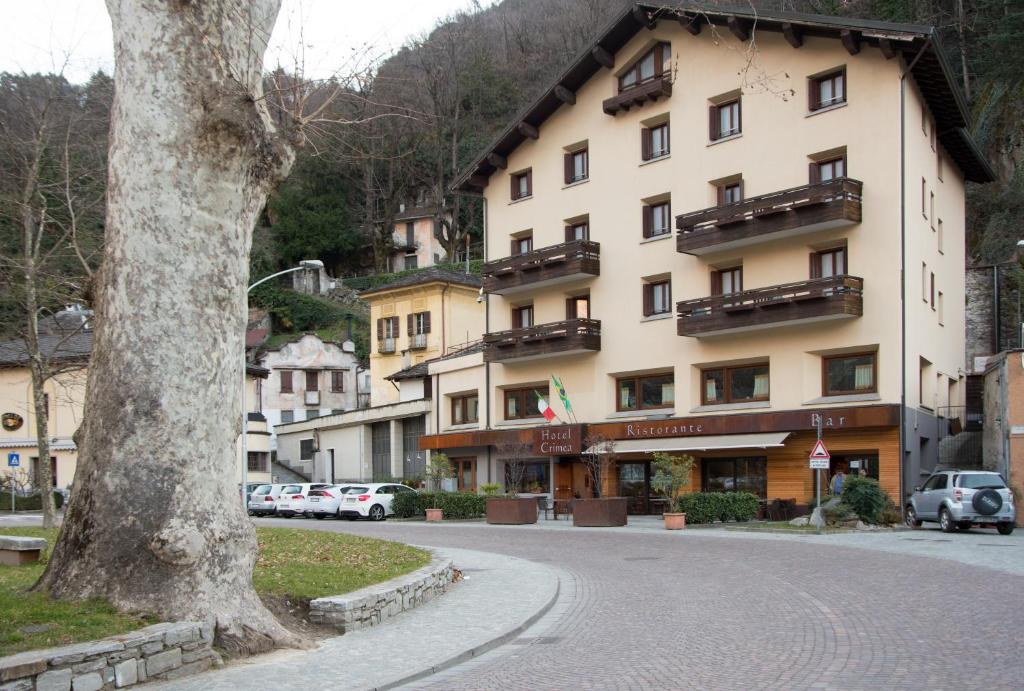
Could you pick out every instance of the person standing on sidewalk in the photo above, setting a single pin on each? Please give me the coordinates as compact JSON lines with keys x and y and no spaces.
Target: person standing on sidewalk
{"x":837,"y":482}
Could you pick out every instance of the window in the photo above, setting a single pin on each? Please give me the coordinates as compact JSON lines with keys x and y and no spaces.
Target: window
{"x":577,"y":231}
{"x":828,"y":263}
{"x":648,"y":67}
{"x":657,"y":219}
{"x":286,"y":381}
{"x":827,"y":90}
{"x":411,"y":261}
{"x":938,"y":234}
{"x":387,"y":334}
{"x":522,"y":403}
{"x":657,"y":297}
{"x":924,"y":118}
{"x":727,"y":281}
{"x":465,"y":409}
{"x":257,"y":463}
{"x":577,"y":307}
{"x":849,"y":374}
{"x":522,"y":184}
{"x":735,"y":475}
{"x":577,"y":166}
{"x":338,"y":381}
{"x":735,"y":384}
{"x":924,"y":281}
{"x":931,"y":289}
{"x":535,"y":478}
{"x":522,"y":244}
{"x":924,"y":197}
{"x":828,"y":169}
{"x":410,"y":235}
{"x":312,"y":380}
{"x":645,"y":393}
{"x":724,"y":120}
{"x":287,"y":416}
{"x":654,"y":142}
{"x":522,"y":317}
{"x":417,"y":327}
{"x":931,"y":136}
{"x":730,"y":193}
{"x":931,"y":208}
{"x":940,"y":310}
{"x":307,"y":448}
{"x":939,"y":167}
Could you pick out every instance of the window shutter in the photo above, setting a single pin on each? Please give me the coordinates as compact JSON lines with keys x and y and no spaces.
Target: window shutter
{"x":714,"y":122}
{"x":659,"y":59}
{"x":648,"y":215}
{"x":312,"y":381}
{"x":426,"y":322}
{"x":815,"y":271}
{"x":567,"y":158}
{"x":815,"y":173}
{"x":380,"y":329}
{"x":812,"y":95}
{"x":569,"y":237}
{"x":394,"y":327}
{"x":645,"y":144}
{"x":739,"y":114}
{"x":410,"y":324}
{"x":570,"y":308}
{"x":514,"y":188}
{"x":668,"y":140}
{"x":742,"y":195}
{"x":286,"y":381}
{"x":648,"y":299}
{"x":517,"y":318}
{"x":721,"y":194}
{"x":716,"y":282}
{"x":529,"y":183}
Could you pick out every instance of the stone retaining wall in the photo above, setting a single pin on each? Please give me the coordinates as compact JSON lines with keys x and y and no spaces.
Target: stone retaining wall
{"x":373,"y":604}
{"x":161,"y":651}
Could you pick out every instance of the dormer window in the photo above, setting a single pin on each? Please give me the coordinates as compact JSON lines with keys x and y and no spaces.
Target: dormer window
{"x":648,"y":67}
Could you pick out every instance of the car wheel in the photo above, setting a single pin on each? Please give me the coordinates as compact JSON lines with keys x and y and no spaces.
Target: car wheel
{"x":377,"y":512}
{"x":1005,"y":528}
{"x":946,"y":521}
{"x":910,"y":518}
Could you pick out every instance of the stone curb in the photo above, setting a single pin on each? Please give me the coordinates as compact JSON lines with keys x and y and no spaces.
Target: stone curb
{"x":377,"y":603}
{"x":477,"y":650}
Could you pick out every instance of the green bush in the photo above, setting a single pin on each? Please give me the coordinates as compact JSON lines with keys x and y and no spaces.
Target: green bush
{"x":30,"y":502}
{"x":708,"y":507}
{"x":838,"y":513}
{"x":865,"y":497}
{"x":453,"y":504}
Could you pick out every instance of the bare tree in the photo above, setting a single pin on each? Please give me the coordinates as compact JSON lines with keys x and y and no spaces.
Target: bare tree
{"x":193,"y":156}
{"x":598,"y":456}
{"x":514,"y":455}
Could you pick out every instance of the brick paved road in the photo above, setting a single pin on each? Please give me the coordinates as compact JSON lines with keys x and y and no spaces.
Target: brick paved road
{"x":645,"y":611}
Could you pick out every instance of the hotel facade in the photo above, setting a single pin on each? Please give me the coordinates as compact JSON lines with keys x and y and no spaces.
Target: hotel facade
{"x":718,"y":231}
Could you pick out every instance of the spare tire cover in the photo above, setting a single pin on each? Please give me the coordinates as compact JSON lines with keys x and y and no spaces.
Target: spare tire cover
{"x":987,"y":502}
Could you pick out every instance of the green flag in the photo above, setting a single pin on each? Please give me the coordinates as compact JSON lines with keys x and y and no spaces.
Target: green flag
{"x":561,"y":393}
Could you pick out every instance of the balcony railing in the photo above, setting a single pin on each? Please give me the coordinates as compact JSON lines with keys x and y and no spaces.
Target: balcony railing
{"x":638,"y":95}
{"x":836,"y":297}
{"x":549,"y":265}
{"x":543,"y":340}
{"x":386,"y":346}
{"x":418,"y":341}
{"x":795,"y":211}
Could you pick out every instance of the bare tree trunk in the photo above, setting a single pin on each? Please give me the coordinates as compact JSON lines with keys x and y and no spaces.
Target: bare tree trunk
{"x":155,"y":523}
{"x":44,"y":472}
{"x":961,"y":28}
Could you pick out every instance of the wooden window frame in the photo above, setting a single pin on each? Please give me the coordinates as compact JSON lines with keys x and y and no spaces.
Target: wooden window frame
{"x":517,"y":241}
{"x":571,"y":311}
{"x":814,"y":103}
{"x":338,"y":381}
{"x":662,"y":51}
{"x":648,"y":297}
{"x":647,"y":219}
{"x":715,"y":119}
{"x":462,"y":401}
{"x":516,"y":191}
{"x":647,"y":142}
{"x":816,"y":164}
{"x":815,"y":271}
{"x":716,"y":280}
{"x":517,"y":316}
{"x":570,"y":165}
{"x":287,"y":381}
{"x":825,"y":359}
{"x":727,"y":373}
{"x":720,"y":192}
{"x":521,"y":394}
{"x":638,"y":383}
{"x":570,"y":231}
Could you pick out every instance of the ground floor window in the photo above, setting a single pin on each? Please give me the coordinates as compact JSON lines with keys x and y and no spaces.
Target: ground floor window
{"x":465,"y":474}
{"x":865,"y":464}
{"x":535,"y":480}
{"x":257,"y":462}
{"x":746,"y":474}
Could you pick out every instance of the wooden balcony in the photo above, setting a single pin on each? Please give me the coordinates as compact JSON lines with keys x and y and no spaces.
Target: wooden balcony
{"x":819,"y":299}
{"x":572,"y":336}
{"x":795,"y":211}
{"x":568,"y":261}
{"x":638,"y":95}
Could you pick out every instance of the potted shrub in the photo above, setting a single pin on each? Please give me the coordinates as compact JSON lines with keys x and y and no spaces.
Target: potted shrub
{"x":438,"y":470}
{"x":671,"y":474}
{"x":512,"y":509}
{"x":490,"y":489}
{"x":599,"y":511}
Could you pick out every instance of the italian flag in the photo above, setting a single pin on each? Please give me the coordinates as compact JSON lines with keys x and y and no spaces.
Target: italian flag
{"x":545,"y":409}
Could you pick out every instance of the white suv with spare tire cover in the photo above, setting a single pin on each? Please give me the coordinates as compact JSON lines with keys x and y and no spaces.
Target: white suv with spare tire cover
{"x":962,"y":499}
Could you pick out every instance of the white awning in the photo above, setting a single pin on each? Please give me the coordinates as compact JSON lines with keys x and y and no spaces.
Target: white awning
{"x":721,"y":442}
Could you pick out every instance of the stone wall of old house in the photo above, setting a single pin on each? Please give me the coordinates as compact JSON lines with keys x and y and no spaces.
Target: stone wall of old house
{"x":981,"y":313}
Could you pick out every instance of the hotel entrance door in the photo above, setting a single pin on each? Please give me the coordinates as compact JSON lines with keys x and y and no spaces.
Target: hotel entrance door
{"x":635,"y":485}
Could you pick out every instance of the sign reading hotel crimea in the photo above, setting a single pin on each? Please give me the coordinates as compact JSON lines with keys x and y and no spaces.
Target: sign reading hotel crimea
{"x":563,"y":440}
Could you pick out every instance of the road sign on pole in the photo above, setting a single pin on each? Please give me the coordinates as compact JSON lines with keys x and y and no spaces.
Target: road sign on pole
{"x":13,"y":460}
{"x":820,"y":456}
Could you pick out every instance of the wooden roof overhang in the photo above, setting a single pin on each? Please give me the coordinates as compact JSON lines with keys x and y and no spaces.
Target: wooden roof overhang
{"x":918,"y":45}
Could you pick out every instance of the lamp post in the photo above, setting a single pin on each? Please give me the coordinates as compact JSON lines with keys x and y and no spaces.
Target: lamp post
{"x":314,"y":264}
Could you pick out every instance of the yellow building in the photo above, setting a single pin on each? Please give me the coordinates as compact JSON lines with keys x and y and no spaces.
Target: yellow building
{"x":701,"y":227}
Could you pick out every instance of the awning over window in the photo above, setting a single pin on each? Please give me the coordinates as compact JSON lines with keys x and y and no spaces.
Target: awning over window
{"x":721,"y":442}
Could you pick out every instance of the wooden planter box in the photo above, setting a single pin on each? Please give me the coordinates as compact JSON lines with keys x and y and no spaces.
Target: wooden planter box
{"x":595,"y":513}
{"x":511,"y":510}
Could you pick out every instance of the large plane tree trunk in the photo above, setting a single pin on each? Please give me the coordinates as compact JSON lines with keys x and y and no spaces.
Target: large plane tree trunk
{"x":155,"y":523}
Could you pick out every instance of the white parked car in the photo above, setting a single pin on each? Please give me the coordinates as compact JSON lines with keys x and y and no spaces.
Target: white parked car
{"x":321,"y":503}
{"x":372,"y":500}
{"x":292,"y":500}
{"x":263,"y":501}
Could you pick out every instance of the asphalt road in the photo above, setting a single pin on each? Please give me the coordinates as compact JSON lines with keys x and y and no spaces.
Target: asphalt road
{"x":650,"y":610}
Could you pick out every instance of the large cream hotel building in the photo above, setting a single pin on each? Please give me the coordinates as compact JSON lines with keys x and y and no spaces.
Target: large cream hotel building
{"x":716,"y":229}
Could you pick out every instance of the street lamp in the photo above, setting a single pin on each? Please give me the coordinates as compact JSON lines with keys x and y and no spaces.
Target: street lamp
{"x":314,"y":264}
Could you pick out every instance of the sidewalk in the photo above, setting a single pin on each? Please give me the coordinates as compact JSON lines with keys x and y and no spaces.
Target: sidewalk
{"x":498,"y":598}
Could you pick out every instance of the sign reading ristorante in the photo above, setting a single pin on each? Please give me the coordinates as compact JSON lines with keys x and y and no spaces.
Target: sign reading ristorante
{"x":563,"y":440}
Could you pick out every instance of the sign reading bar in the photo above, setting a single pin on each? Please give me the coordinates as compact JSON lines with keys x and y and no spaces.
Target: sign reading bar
{"x":562,"y":440}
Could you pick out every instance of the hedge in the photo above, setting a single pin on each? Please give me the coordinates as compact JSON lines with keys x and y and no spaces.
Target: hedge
{"x":30,"y":502}
{"x":865,"y":496}
{"x":708,"y":507}
{"x":453,"y":504}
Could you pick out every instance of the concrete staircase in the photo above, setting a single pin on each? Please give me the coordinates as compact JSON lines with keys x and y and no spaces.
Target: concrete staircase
{"x":282,"y":473}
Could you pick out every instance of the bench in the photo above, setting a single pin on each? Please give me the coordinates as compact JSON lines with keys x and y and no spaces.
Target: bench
{"x":15,"y":550}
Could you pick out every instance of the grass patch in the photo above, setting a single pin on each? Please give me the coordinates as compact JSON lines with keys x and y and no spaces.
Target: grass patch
{"x":301,"y":564}
{"x":782,"y":527}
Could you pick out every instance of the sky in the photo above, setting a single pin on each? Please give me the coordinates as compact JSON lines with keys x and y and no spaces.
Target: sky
{"x":46,"y":35}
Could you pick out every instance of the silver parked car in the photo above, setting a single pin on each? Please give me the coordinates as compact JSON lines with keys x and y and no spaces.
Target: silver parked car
{"x":961,"y":499}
